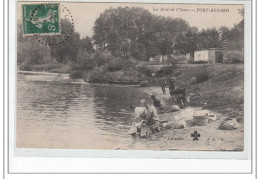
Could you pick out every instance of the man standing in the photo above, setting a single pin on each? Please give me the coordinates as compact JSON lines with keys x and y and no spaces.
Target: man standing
{"x":172,"y":86}
{"x":164,"y":86}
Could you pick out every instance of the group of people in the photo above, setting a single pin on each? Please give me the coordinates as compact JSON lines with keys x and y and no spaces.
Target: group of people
{"x":148,"y":115}
{"x":172,"y":86}
{"x":149,"y":112}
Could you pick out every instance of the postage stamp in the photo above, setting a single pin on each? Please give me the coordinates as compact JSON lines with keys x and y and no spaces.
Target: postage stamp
{"x":41,"y":18}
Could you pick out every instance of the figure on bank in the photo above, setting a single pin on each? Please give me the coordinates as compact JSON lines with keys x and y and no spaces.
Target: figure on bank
{"x":164,"y":84}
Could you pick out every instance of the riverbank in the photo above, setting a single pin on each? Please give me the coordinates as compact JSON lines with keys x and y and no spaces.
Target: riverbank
{"x":211,"y":137}
{"x":221,"y":94}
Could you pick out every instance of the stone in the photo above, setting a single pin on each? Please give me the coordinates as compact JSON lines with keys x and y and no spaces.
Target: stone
{"x":175,"y":124}
{"x":229,"y":125}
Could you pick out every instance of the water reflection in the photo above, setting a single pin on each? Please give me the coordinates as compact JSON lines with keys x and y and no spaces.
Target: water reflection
{"x":53,"y":114}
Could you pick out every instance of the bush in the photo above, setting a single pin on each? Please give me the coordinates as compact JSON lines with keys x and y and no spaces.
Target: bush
{"x":145,"y":70}
{"x":164,"y":71}
{"x":26,"y":67}
{"x":176,"y":59}
{"x":51,"y":67}
{"x":28,"y":52}
{"x":129,"y":65}
{"x":102,"y":57}
{"x":115,"y":64}
{"x":98,"y":75}
{"x":145,"y":83}
{"x":198,"y":62}
{"x":202,"y":76}
{"x":85,"y":61}
{"x":234,"y":56}
{"x":76,"y":74}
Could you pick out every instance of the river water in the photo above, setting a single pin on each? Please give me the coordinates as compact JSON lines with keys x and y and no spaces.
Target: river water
{"x":53,"y":112}
{"x":56,"y":114}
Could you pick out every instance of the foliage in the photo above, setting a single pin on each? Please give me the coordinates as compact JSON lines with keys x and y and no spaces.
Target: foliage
{"x":209,"y":38}
{"x":188,"y":42}
{"x":145,"y":83}
{"x":135,"y":32}
{"x":88,"y":61}
{"x":198,"y":62}
{"x":76,"y":74}
{"x":144,"y":69}
{"x":233,"y":39}
{"x":176,"y":59}
{"x":32,"y":52}
{"x":102,"y":57}
{"x":202,"y":75}
{"x":234,"y":56}
{"x":164,"y":71}
{"x":68,"y":49}
{"x":85,"y":61}
{"x":50,"y":67}
{"x":87,"y":45}
{"x":98,"y":75}
{"x":115,"y":64}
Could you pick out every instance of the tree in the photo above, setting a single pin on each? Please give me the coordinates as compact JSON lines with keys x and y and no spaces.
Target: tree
{"x":65,"y":47}
{"x":209,"y":38}
{"x":188,"y":42}
{"x":86,"y":45}
{"x":29,"y":50}
{"x":135,"y":32}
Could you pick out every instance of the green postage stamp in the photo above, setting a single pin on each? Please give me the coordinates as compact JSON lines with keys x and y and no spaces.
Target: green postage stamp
{"x":41,"y":19}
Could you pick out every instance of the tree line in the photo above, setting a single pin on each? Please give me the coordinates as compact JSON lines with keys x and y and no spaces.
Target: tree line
{"x":126,"y":33}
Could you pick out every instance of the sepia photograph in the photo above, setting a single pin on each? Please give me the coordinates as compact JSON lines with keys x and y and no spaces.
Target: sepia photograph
{"x":130,"y":76}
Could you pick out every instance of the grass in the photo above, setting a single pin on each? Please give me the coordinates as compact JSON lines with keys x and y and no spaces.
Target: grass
{"x":55,"y":67}
{"x":223,"y":91}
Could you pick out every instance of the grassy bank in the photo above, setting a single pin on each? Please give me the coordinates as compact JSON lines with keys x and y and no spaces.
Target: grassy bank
{"x":52,"y":67}
{"x":217,"y":87}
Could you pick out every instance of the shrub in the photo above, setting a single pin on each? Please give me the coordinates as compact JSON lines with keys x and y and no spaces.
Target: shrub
{"x":145,"y":70}
{"x":234,"y":56}
{"x":164,"y":71}
{"x":202,"y":76}
{"x":85,"y":61}
{"x":145,"y":83}
{"x":101,"y":57}
{"x":115,"y":64}
{"x":176,"y":59}
{"x":28,"y":52}
{"x":198,"y":62}
{"x":98,"y":75}
{"x":129,"y":65}
{"x":26,"y":67}
{"x":76,"y":74}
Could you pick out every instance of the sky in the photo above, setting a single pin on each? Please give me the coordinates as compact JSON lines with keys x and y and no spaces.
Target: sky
{"x":198,"y":15}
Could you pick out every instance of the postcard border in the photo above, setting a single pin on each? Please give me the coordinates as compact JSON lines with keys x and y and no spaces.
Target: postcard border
{"x":106,"y":2}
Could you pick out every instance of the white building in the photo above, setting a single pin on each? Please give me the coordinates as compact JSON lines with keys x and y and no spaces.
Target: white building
{"x":212,"y":55}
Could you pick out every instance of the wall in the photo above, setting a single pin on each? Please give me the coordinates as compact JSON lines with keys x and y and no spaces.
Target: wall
{"x":212,"y":58}
{"x":201,"y":55}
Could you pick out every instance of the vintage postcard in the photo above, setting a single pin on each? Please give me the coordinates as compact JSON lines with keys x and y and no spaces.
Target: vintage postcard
{"x":132,"y":76}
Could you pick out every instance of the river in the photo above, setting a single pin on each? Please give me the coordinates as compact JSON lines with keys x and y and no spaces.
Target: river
{"x":52,"y":113}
